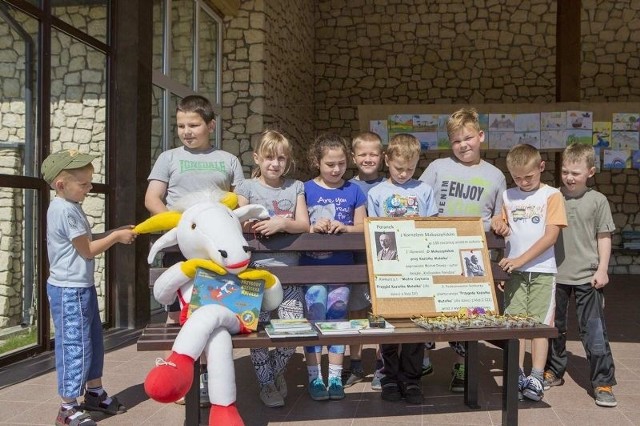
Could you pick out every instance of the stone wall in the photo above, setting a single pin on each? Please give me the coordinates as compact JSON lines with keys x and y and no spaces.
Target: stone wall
{"x":268,"y":75}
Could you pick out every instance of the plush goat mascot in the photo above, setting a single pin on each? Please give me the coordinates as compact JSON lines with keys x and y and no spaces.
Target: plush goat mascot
{"x":209,"y":235}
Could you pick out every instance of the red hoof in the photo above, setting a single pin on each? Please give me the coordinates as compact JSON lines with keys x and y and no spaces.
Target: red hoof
{"x":225,"y":416}
{"x":170,"y":380}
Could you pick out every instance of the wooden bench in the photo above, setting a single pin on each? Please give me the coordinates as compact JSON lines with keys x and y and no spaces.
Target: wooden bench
{"x":161,"y":337}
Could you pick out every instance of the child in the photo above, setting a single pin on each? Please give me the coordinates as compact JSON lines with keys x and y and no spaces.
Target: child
{"x":284,"y":198}
{"x":193,"y":167}
{"x":334,"y":206}
{"x":71,"y":290}
{"x":533,"y":214}
{"x":466,"y":185}
{"x":400,"y":195}
{"x":582,"y":253}
{"x":366,"y":151}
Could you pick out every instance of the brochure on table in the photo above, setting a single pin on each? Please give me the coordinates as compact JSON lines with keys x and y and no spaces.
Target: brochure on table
{"x":439,"y":265}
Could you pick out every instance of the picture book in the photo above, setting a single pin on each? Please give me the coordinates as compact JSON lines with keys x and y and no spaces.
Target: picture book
{"x":290,"y":333}
{"x":342,"y":327}
{"x":244,"y":297}
{"x":291,"y":324}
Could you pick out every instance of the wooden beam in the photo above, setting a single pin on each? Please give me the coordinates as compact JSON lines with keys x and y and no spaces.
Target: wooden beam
{"x":225,"y":7}
{"x":568,"y":53}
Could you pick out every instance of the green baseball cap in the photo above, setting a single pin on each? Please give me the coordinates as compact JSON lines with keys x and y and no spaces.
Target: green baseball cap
{"x":67,"y":159}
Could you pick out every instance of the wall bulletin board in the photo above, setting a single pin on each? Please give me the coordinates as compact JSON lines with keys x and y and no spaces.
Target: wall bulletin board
{"x":428,"y":266}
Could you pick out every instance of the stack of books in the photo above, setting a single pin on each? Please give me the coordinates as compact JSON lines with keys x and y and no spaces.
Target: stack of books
{"x":356,"y":326}
{"x":288,"y":328}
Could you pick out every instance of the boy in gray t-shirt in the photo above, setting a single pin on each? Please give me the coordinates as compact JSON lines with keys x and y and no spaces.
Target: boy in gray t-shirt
{"x":464,"y":185}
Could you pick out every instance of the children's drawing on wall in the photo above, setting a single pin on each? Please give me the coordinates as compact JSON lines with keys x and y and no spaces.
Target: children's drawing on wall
{"x":428,"y":140}
{"x":386,"y":246}
{"x":626,"y":121}
{"x":502,"y":140}
{"x":584,"y":137}
{"x":380,"y":128}
{"x":553,"y":120}
{"x":580,"y":120}
{"x":527,"y":122}
{"x":502,"y":123}
{"x":530,"y":138}
{"x":473,"y":264}
{"x":624,"y":140}
{"x":602,"y":134}
{"x":400,"y":123}
{"x":425,"y":122}
{"x":553,"y":139}
{"x":616,"y":159}
{"x":635,"y":159}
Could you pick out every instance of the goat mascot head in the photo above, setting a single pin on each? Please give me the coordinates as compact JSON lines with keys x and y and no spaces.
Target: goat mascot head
{"x":209,"y":235}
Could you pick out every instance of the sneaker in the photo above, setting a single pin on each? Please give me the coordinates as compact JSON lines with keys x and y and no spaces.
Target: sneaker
{"x":375,"y":383}
{"x":391,"y":392}
{"x":318,"y":390}
{"x":74,"y":416}
{"x":413,"y":394}
{"x":534,"y":390}
{"x":336,"y":390}
{"x":204,"y":390}
{"x":604,"y":396}
{"x":270,"y":396}
{"x":427,"y":370}
{"x":356,"y":376}
{"x":550,"y":379}
{"x":522,"y":383}
{"x":457,"y":379}
{"x":281,"y":385}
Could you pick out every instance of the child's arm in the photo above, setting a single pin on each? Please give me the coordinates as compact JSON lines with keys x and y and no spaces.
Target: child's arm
{"x":154,"y":197}
{"x":246,"y":226}
{"x":358,"y":222}
{"x":295,"y":225}
{"x":601,"y":277}
{"x":549,"y":238}
{"x":499,"y":224}
{"x":90,"y":249}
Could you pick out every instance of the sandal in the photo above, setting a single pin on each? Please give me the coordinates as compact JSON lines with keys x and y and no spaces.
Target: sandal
{"x":74,"y":417}
{"x":97,"y":403}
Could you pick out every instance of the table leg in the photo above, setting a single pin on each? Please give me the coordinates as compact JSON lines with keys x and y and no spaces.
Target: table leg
{"x":510,"y":382}
{"x":192,"y":399}
{"x":471,"y":375}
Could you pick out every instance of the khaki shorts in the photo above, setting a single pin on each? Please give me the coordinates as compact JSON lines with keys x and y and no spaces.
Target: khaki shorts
{"x":532,"y":294}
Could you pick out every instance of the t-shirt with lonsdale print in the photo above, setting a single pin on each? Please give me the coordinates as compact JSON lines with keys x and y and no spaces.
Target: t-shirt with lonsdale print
{"x":185,"y":170}
{"x":528,"y":213}
{"x":462,"y":190}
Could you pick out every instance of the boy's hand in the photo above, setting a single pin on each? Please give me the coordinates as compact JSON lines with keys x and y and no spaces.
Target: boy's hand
{"x":509,"y":265}
{"x":599,"y":280}
{"x":500,"y":227}
{"x":125,"y":234}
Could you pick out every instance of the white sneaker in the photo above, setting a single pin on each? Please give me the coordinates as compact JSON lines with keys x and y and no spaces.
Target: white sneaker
{"x":375,"y":383}
{"x":204,"y":390}
{"x":270,"y":396}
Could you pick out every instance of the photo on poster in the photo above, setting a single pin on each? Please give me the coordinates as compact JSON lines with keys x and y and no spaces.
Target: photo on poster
{"x":502,"y":123}
{"x":625,"y":121}
{"x":553,"y":139}
{"x":527,"y":122}
{"x":580,"y":120}
{"x":625,"y":140}
{"x":473,"y":263}
{"x":553,"y":120}
{"x":602,"y":134}
{"x":379,"y":127}
{"x":386,"y":246}
{"x":616,"y":159}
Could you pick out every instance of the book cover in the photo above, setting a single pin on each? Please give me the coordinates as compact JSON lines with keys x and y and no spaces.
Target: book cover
{"x":291,"y":324}
{"x":244,"y":297}
{"x":292,"y":333}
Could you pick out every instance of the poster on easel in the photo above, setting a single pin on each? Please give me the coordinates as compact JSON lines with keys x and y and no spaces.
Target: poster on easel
{"x":428,"y":266}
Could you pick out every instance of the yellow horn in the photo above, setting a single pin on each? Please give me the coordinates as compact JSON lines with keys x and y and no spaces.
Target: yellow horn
{"x":230,"y":200}
{"x":159,"y":222}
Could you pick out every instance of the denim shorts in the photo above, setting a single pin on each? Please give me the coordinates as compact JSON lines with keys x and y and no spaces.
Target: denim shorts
{"x":79,"y":347}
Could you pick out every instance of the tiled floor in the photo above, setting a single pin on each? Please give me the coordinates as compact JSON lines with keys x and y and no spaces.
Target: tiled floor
{"x":34,"y":401}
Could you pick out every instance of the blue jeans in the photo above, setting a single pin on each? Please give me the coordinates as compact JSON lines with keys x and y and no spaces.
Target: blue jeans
{"x":79,"y":347}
